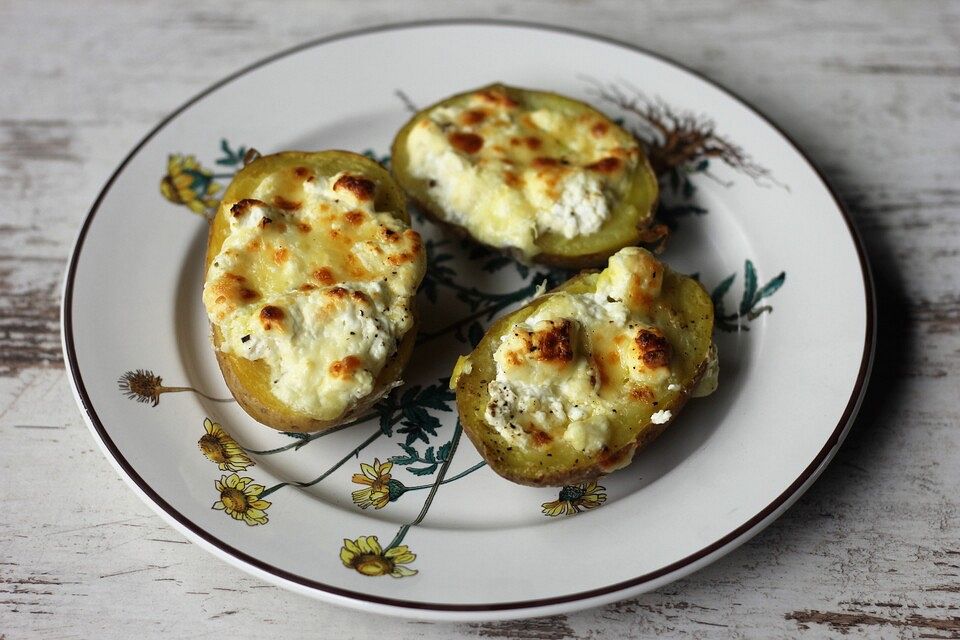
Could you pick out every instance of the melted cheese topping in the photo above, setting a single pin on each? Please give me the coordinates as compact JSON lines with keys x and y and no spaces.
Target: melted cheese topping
{"x":562,"y":371}
{"x":320,"y":289}
{"x":510,"y":174}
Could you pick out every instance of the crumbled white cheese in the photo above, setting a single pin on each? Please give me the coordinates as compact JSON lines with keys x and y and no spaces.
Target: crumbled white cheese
{"x":581,"y":209}
{"x":673,"y":387}
{"x":661,"y":417}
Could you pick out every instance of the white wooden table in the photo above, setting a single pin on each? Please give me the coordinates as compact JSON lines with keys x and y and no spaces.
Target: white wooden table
{"x":872,"y":91}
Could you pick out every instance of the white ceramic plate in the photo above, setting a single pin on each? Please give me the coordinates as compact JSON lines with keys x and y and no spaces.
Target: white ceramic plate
{"x":753,"y":218}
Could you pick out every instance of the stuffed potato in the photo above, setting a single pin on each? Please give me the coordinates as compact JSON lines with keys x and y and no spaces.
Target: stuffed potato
{"x":311,"y":271}
{"x":543,"y":177}
{"x":573,"y":384}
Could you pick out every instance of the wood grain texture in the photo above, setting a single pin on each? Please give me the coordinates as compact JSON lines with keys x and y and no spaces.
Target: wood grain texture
{"x":869,"y":90}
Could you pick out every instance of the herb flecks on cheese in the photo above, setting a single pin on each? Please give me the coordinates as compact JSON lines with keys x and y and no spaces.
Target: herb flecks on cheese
{"x":563,"y":370}
{"x":510,"y":173}
{"x":320,"y":288}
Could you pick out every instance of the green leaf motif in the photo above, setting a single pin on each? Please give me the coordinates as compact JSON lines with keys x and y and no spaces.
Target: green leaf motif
{"x":418,"y":425}
{"x":748,"y":311}
{"x":384,"y":160}
{"x":429,"y":458}
{"x":721,"y":289}
{"x":771,"y":287}
{"x":749,"y":287}
{"x":231,"y":157}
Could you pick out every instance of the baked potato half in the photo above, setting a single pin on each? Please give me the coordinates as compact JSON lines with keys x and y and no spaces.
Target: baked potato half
{"x":573,"y":384}
{"x":540,"y":176}
{"x":311,"y":271}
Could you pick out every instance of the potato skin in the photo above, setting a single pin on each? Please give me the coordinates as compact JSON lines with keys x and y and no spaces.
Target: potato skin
{"x":248,"y":380}
{"x":536,"y":468}
{"x":608,"y":241}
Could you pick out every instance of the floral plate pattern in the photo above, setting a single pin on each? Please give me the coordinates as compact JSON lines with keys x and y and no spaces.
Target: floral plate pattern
{"x":396,"y":494}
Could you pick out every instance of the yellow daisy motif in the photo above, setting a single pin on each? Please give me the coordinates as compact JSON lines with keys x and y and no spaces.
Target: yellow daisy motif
{"x":367,"y":557}
{"x":240,"y":499}
{"x":189,"y":184}
{"x":576,"y":498}
{"x":376,"y":477}
{"x":217,"y":445}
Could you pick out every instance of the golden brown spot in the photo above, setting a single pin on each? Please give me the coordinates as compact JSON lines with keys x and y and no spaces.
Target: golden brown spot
{"x":264,"y":221}
{"x":287,"y":205}
{"x":324,"y":276}
{"x":653,"y":347}
{"x":599,"y":129}
{"x":514,"y":142}
{"x":641,"y":394}
{"x":612,"y":357}
{"x":280,"y":255}
{"x":355,"y":217}
{"x":465,"y":142}
{"x":416,"y":247}
{"x":306,"y":287}
{"x":254,"y":245}
{"x":543,"y":161}
{"x":270,"y":315}
{"x":512,"y":180}
{"x":473,"y":116}
{"x":333,"y":233}
{"x":243,"y":206}
{"x":304,"y":227}
{"x":497,"y":96}
{"x":360,"y":296}
{"x":345,"y":368}
{"x":231,"y":288}
{"x":389,"y":234}
{"x":361,"y":188}
{"x":533,"y":142}
{"x":554,"y":345}
{"x":607,"y":165}
{"x":399,"y":259}
{"x":337,"y":292}
{"x":303,"y":173}
{"x":540,"y":438}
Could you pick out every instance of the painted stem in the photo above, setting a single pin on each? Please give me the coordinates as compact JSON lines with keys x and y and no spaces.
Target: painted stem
{"x":449,"y":480}
{"x":455,"y":440}
{"x":453,"y":326}
{"x":376,"y":434}
{"x":305,"y":441}
{"x":199,"y":393}
{"x":509,"y":298}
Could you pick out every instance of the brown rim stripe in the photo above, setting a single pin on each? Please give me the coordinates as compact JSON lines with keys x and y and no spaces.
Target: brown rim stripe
{"x":790,"y":493}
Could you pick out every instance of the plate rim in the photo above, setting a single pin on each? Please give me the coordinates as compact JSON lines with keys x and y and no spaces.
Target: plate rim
{"x":517,"y":608}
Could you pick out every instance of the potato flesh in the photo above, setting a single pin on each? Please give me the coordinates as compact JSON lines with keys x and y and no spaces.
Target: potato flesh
{"x":683,"y":312}
{"x":632,"y":196}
